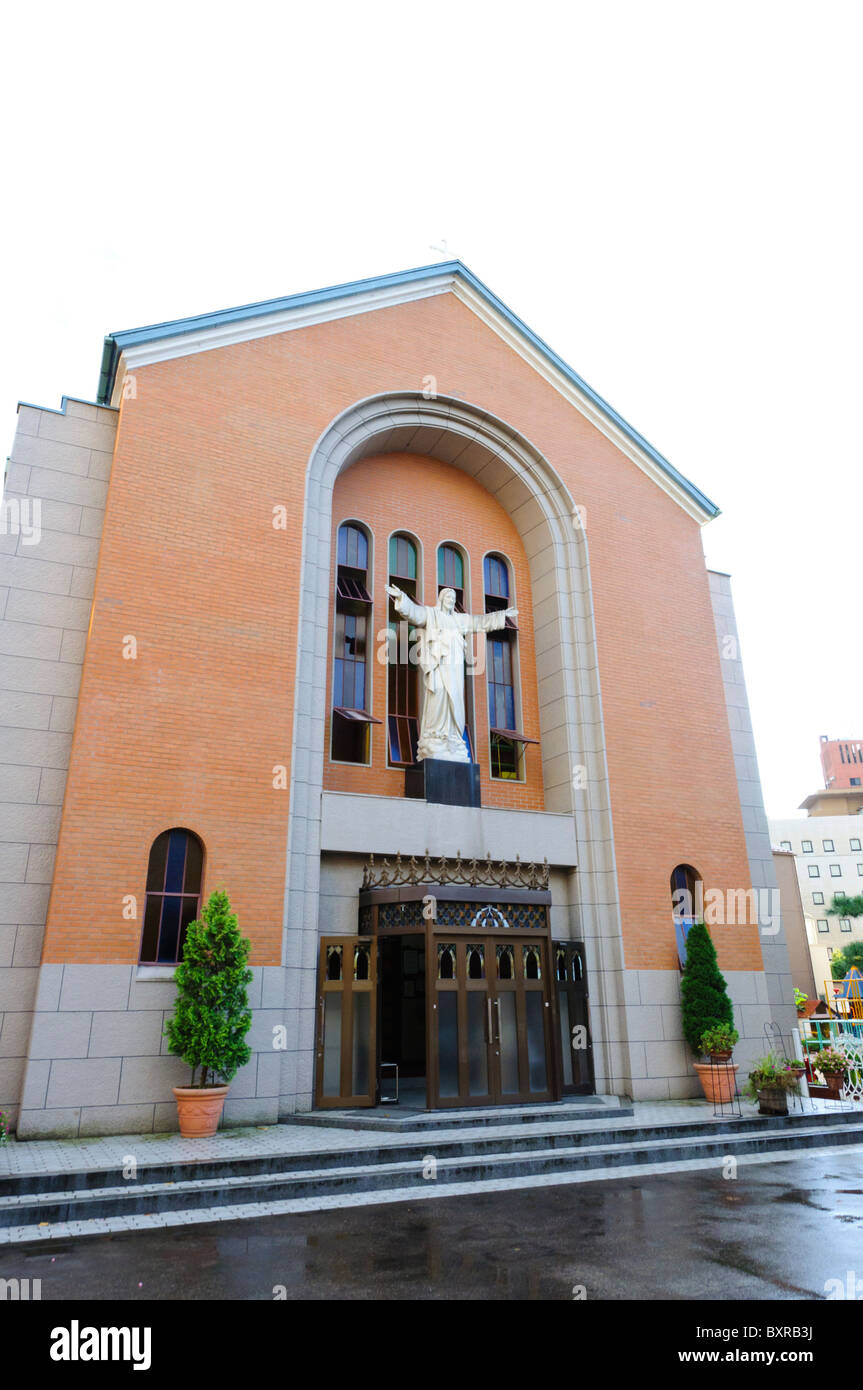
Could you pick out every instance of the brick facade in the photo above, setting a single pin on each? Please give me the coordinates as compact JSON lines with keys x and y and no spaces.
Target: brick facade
{"x":190,"y":702}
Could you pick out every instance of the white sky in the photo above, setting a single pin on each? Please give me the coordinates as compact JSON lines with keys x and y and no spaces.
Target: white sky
{"x":668,"y":193}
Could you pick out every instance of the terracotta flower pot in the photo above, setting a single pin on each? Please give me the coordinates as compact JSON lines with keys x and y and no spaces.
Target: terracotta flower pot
{"x":833,"y":1081}
{"x":200,"y":1109}
{"x":717,"y":1083}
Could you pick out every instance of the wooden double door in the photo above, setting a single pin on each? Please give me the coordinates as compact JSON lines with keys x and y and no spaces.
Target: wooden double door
{"x":506,"y":1020}
{"x":490,"y":1027}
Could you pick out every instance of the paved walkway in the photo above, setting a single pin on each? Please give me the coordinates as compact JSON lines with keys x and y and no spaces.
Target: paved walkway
{"x":111,"y":1153}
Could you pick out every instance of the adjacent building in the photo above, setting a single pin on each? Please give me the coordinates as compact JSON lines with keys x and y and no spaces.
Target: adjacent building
{"x":828,"y":850}
{"x":842,"y":762}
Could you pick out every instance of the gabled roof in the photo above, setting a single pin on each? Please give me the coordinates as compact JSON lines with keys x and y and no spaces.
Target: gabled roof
{"x":179,"y":337}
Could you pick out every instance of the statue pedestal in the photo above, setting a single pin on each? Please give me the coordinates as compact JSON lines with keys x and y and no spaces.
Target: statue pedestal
{"x":443,"y":782}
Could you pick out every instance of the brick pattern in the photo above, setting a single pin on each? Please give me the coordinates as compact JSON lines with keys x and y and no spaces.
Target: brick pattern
{"x":60,"y":462}
{"x":192,"y":564}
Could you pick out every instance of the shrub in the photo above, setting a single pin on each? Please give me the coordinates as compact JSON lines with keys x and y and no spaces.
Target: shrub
{"x":212,"y":1015}
{"x":704,"y":996}
{"x":720,"y":1038}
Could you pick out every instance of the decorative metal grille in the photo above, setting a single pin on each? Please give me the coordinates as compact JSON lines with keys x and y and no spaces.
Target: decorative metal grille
{"x":475,"y":873}
{"x":497,"y":916}
{"x":400,"y":915}
{"x":852,"y":1088}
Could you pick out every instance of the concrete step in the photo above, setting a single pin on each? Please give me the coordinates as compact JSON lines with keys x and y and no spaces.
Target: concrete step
{"x":538,"y":1135}
{"x":392,"y":1119}
{"x":400,"y":1168}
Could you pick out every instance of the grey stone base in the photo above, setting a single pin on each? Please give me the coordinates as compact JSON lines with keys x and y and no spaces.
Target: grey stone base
{"x":98,"y":1060}
{"x":99,"y":1064}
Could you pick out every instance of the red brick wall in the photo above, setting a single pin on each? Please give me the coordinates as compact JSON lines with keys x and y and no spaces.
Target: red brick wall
{"x":837,"y":762}
{"x":190,"y":564}
{"x":436,"y":502}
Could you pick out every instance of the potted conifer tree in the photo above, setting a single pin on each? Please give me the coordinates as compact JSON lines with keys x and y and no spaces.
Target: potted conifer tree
{"x":707,"y":1012}
{"x":212,"y":1014}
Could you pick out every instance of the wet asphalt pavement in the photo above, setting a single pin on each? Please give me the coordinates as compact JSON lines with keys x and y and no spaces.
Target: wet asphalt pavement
{"x":777,"y":1231}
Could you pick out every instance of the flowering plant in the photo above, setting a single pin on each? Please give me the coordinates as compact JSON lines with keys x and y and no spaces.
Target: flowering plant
{"x":4,"y":1127}
{"x":770,"y":1073}
{"x":830,"y":1062}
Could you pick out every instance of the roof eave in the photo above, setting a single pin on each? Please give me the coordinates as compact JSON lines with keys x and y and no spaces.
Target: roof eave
{"x":115,"y":343}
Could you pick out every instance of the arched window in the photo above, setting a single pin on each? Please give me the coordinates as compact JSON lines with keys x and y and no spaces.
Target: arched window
{"x":446,"y":962}
{"x":687,"y":904}
{"x":353,"y":550}
{"x":476,"y":962}
{"x":173,"y":895}
{"x":402,"y":677}
{"x":532,"y":966}
{"x":505,"y":963}
{"x":507,"y":744}
{"x":351,"y":719}
{"x":450,"y":573}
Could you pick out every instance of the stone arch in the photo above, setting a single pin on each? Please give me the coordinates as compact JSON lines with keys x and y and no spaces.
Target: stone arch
{"x":575,"y":773}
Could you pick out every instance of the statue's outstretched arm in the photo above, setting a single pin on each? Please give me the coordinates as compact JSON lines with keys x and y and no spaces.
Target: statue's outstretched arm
{"x":405,"y":605}
{"x":490,"y":622}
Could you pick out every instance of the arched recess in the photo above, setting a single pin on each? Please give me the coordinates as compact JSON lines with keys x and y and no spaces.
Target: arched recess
{"x":575,"y":774}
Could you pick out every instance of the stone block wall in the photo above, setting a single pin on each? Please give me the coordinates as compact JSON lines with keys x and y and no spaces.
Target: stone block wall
{"x":56,"y":483}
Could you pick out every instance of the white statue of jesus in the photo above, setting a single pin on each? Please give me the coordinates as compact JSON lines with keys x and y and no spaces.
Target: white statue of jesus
{"x":441,"y":637}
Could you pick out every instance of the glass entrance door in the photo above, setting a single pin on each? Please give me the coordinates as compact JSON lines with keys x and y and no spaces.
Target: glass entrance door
{"x":346,"y":1023}
{"x":490,"y":1021}
{"x":576,"y":1049}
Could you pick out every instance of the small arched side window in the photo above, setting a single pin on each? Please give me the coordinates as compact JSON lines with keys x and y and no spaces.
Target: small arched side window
{"x":173,"y":895}
{"x":687,"y":904}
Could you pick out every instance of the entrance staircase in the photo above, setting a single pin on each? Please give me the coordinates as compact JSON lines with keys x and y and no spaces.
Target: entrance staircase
{"x":339,"y":1159}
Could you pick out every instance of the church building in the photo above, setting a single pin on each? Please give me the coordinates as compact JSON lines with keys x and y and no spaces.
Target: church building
{"x":361,"y":605}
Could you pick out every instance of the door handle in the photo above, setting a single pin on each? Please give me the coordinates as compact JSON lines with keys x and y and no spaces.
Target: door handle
{"x":321,"y":1038}
{"x":490,"y":1028}
{"x":497,"y":1014}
